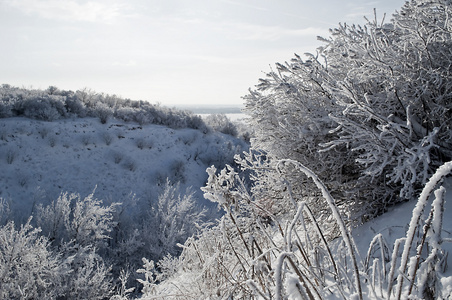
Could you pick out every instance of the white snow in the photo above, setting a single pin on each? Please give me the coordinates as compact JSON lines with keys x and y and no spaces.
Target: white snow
{"x":123,"y":162}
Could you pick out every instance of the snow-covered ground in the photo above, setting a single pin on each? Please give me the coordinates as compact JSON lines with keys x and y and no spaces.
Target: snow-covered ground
{"x":395,"y":223}
{"x":39,"y":160}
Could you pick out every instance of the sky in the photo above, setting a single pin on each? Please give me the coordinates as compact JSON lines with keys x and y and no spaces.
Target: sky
{"x":172,"y":52}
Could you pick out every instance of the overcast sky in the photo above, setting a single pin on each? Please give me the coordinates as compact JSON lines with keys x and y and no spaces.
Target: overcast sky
{"x":168,"y":51}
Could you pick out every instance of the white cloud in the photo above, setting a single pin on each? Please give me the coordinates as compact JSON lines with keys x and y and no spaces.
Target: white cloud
{"x":241,"y":4}
{"x":245,"y":31}
{"x":130,"y":63}
{"x":86,"y":11}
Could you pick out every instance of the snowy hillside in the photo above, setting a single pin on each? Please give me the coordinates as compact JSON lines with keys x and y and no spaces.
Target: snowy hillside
{"x":119,"y":160}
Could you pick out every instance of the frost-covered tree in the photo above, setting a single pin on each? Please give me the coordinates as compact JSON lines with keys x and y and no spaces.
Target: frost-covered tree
{"x":370,"y":113}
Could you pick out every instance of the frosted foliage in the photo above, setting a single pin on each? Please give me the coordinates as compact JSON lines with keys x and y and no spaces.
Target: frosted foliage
{"x":78,"y":228}
{"x":219,"y":187}
{"x":89,"y":277}
{"x":247,"y":256}
{"x":432,"y":265}
{"x":53,"y":104}
{"x":370,"y":113}
{"x":82,"y":221}
{"x":171,"y":220}
{"x":221,"y":123}
{"x":149,"y":280}
{"x":28,"y":269}
{"x":339,"y":138}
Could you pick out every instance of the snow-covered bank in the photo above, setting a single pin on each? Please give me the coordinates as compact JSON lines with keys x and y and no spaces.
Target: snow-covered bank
{"x":242,"y":255}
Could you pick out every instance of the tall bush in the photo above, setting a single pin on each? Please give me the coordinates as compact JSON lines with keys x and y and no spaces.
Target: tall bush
{"x":370,"y":113}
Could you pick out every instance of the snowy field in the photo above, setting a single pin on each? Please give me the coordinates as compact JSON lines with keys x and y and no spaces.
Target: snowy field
{"x":120,"y":161}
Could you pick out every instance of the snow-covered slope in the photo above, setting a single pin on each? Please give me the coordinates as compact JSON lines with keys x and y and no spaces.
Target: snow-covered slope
{"x":395,"y":224}
{"x":39,"y":160}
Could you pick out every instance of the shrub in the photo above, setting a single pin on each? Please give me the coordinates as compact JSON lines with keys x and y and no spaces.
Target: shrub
{"x":46,"y":107}
{"x":3,"y":134}
{"x":103,"y":112}
{"x":130,"y":164}
{"x":108,"y":138}
{"x":127,"y":114}
{"x":52,"y":141}
{"x":5,"y":109}
{"x":78,"y":228}
{"x":75,"y":105}
{"x":44,"y":131}
{"x":10,"y":155}
{"x":361,"y":113}
{"x":71,"y":219}
{"x":221,"y":123}
{"x":86,"y":139}
{"x":141,"y":143}
{"x":117,"y":157}
{"x":289,"y":256}
{"x":5,"y":211}
{"x":28,"y":269}
{"x":171,"y":219}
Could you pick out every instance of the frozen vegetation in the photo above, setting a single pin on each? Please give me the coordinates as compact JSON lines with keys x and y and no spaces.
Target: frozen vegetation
{"x":343,"y":193}
{"x":94,"y":193}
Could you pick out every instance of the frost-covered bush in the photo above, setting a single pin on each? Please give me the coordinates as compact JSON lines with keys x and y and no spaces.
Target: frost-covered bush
{"x":141,"y":143}
{"x":127,"y":114}
{"x":52,"y":104}
{"x":71,"y":219}
{"x":6,"y":109}
{"x":75,"y":106}
{"x":370,"y":113}
{"x":44,"y":131}
{"x":177,"y":171}
{"x":107,"y":137}
{"x":45,"y":107}
{"x":28,"y":268}
{"x":117,"y":157}
{"x":170,"y":219}
{"x":129,"y":164}
{"x":89,"y":276}
{"x":52,"y":141}
{"x":5,"y":211}
{"x":221,"y":123}
{"x":196,"y":122}
{"x":86,"y":139}
{"x":103,"y":112}
{"x":79,"y":228}
{"x":11,"y":154}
